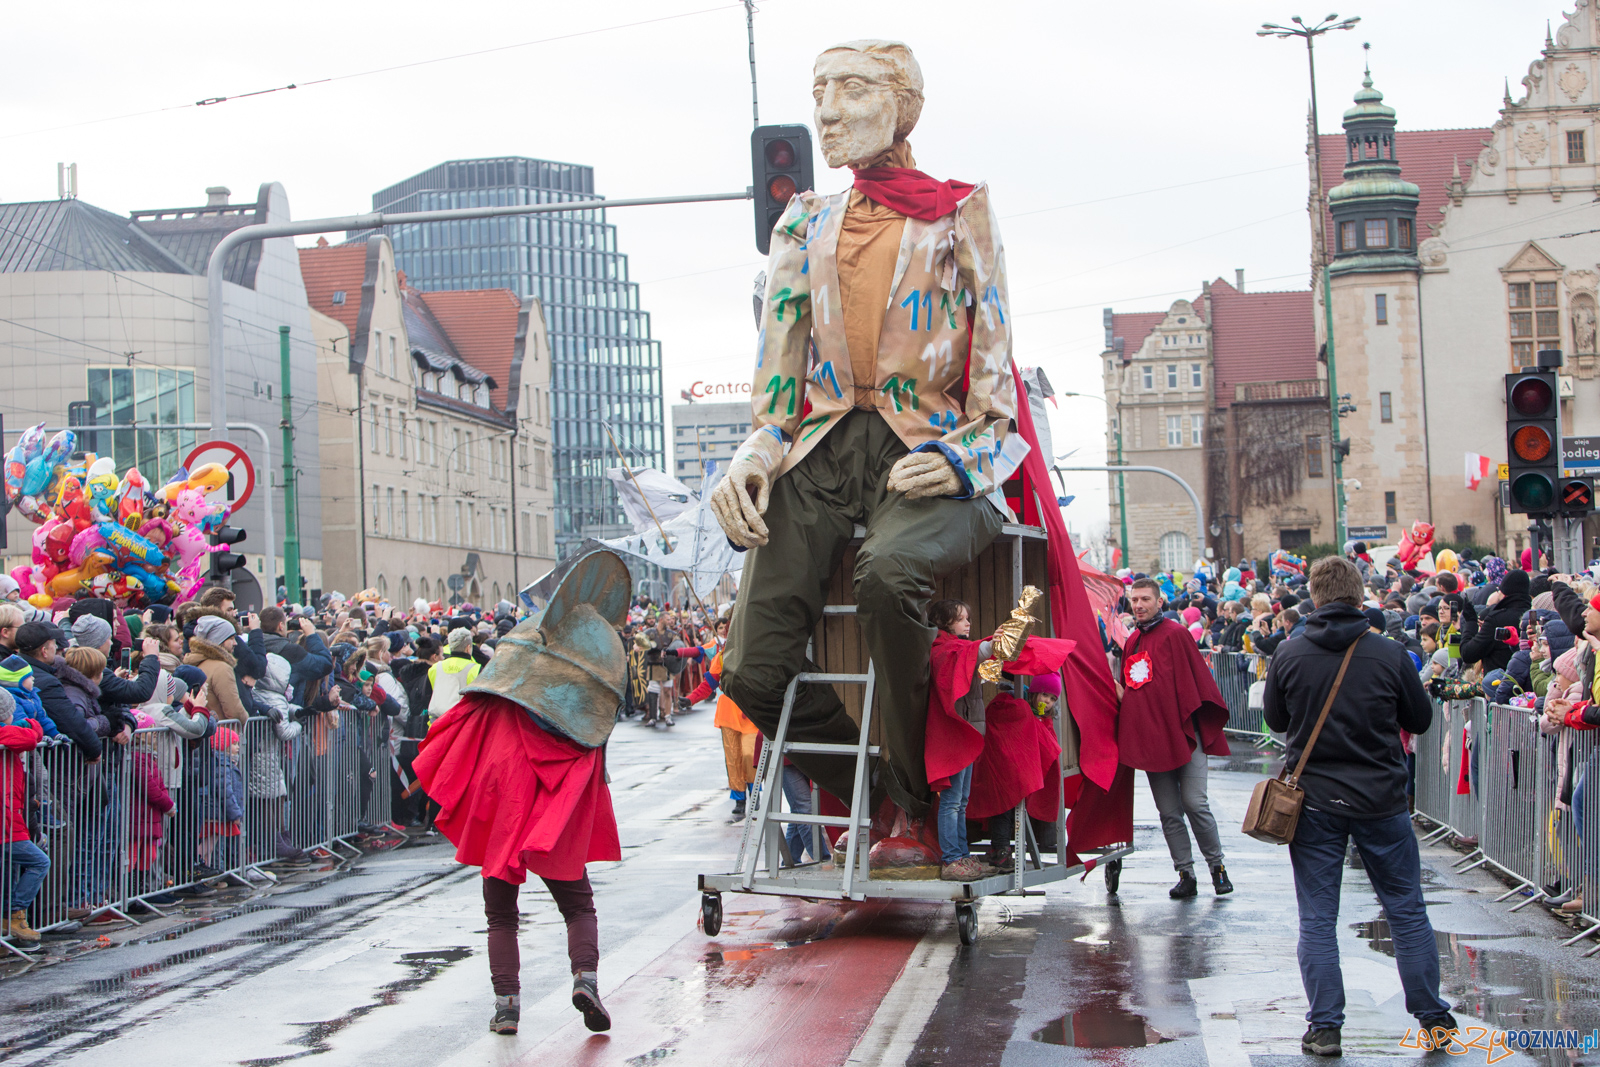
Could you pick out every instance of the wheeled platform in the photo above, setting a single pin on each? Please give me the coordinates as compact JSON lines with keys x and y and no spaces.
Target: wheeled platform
{"x":991,"y":584}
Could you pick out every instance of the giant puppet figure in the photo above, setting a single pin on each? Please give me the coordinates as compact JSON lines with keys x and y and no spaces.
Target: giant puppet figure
{"x":883,"y":396}
{"x":517,"y":767}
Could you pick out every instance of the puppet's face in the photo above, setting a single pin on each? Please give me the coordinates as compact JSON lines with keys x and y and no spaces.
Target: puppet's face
{"x":856,"y":112}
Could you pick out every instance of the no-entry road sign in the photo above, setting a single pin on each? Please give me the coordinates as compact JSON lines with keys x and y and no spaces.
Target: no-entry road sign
{"x":233,"y":459}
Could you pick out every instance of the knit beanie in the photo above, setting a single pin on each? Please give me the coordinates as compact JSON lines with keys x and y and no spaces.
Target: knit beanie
{"x":14,"y":670}
{"x":135,"y":625}
{"x":214,"y":628}
{"x":1045,"y":684}
{"x":8,"y":708}
{"x":160,"y":613}
{"x":90,"y":631}
{"x":1514,"y":582}
{"x":225,"y":738}
{"x":460,"y":639}
{"x":1566,"y":665}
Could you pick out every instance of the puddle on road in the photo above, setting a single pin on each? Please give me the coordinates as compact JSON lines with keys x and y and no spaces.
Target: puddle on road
{"x":1099,"y":1026}
{"x":1378,"y":933}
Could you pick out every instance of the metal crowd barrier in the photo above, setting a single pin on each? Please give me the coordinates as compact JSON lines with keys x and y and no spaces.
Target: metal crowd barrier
{"x":1235,"y":673}
{"x":127,"y":835}
{"x":1525,"y":802}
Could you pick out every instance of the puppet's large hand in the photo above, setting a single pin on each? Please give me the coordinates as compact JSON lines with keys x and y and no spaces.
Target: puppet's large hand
{"x":739,"y":501}
{"x":923,"y":474}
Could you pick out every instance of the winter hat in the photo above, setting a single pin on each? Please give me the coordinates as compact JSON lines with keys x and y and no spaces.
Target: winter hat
{"x":1515,"y":583}
{"x":1191,"y":614}
{"x":90,"y":631}
{"x":1045,"y":684}
{"x":460,"y":639}
{"x":224,"y":739}
{"x":214,"y":628}
{"x":143,"y":720}
{"x":14,"y":670}
{"x":8,"y":587}
{"x":160,"y":613}
{"x":8,"y":708}
{"x":1494,"y":568}
{"x":135,"y":625}
{"x":1566,"y":665}
{"x":1375,"y":618}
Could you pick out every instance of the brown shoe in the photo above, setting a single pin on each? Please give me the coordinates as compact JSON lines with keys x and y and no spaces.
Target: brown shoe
{"x":17,"y":927}
{"x":1573,"y":906}
{"x":965,"y":869}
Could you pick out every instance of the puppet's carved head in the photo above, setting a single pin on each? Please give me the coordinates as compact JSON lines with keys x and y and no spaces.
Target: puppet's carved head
{"x":869,"y":95}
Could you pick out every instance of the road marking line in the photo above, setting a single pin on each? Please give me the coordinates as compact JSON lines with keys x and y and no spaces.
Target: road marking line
{"x":909,"y":1004}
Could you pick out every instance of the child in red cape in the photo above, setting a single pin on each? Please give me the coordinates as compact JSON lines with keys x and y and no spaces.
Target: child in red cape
{"x":517,"y":799}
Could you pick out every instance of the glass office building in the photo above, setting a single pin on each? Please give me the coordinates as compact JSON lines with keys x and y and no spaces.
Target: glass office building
{"x":605,"y":369}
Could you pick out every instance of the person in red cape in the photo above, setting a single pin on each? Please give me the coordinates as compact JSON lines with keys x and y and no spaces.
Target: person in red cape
{"x":1171,"y":720}
{"x":517,"y":768}
{"x":955,"y":731}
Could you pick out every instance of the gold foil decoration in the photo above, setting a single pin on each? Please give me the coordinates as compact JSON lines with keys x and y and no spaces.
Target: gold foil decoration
{"x":1009,"y":635}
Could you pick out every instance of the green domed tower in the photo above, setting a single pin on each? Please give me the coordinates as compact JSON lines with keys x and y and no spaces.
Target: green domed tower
{"x":1374,"y":210}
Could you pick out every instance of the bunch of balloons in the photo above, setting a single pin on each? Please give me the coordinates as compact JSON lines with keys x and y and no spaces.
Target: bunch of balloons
{"x":1283,"y":564}
{"x":108,"y":536}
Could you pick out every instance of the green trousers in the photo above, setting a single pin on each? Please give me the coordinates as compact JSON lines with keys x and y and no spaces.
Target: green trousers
{"x":908,"y":544}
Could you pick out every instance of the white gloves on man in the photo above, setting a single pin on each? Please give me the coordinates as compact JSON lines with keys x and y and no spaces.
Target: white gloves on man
{"x":923,"y":474}
{"x":740,"y":498}
{"x":739,"y":501}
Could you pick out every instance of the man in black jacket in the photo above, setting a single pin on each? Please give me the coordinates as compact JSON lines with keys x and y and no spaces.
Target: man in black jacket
{"x":1503,"y":609}
{"x":1355,"y":788}
{"x":37,"y":644}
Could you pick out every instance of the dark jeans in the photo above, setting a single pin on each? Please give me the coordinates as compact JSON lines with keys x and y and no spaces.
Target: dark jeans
{"x":1389,"y":852}
{"x":797,"y":790}
{"x":810,"y":517}
{"x":576,"y":902}
{"x":31,"y":864}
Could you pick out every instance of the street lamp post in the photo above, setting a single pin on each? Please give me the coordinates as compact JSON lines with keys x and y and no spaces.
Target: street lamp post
{"x":1122,"y":486}
{"x":1310,"y":34}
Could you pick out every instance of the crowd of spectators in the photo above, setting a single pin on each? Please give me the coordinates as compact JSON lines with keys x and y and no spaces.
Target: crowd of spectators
{"x":146,"y":755}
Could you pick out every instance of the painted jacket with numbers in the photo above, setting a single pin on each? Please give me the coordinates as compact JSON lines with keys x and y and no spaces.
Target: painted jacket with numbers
{"x":943,"y":364}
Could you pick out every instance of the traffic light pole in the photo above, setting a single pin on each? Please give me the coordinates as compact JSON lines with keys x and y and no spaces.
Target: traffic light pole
{"x":291,"y":489}
{"x":215,"y":289}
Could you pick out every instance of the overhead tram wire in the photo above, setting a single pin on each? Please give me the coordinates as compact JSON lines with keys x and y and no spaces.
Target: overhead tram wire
{"x":212,"y":101}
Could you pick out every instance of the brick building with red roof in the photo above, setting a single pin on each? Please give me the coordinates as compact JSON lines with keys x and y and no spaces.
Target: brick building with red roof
{"x":434,"y":432}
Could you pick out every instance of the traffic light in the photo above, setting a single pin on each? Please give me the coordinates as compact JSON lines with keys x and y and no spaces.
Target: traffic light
{"x":780,"y":161}
{"x":224,"y":562}
{"x":1533,"y":441}
{"x":1577,"y":497}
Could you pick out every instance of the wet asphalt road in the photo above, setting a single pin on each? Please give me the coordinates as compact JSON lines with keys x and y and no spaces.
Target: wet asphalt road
{"x":383,"y":963}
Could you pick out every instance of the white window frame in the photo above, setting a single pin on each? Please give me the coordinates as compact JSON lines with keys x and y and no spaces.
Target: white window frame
{"x":1197,"y":425}
{"x":1174,"y":431}
{"x":1175,"y":553}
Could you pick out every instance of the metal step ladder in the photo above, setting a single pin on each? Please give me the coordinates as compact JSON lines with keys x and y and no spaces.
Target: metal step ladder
{"x":764,"y":822}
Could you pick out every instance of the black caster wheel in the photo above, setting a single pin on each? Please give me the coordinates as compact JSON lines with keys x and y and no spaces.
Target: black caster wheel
{"x":1113,"y":875}
{"x":967,"y":922}
{"x":711,"y":913}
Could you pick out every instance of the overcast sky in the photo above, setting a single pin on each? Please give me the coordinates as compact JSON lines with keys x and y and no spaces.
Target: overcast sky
{"x":1073,"y":112}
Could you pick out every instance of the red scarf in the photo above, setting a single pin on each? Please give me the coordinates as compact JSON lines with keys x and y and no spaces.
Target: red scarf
{"x":911,"y":192}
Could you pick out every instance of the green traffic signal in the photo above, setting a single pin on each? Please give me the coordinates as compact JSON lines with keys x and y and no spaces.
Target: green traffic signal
{"x":1533,"y":492}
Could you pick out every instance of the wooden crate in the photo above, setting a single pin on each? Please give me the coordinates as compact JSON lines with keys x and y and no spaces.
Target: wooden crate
{"x":989,"y":584}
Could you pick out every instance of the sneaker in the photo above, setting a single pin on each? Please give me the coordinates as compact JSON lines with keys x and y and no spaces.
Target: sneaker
{"x":507,"y":1013}
{"x":205,"y":870}
{"x":1434,"y":1023}
{"x":965,"y":869}
{"x":1219,"y":880}
{"x":669,"y":721}
{"x":586,"y":998}
{"x":1186,"y":888}
{"x":1573,"y":906}
{"x":163,"y":899}
{"x":1320,"y":1040}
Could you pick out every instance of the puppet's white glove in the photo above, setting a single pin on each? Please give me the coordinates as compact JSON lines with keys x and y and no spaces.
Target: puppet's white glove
{"x":739,"y":501}
{"x":923,"y":474}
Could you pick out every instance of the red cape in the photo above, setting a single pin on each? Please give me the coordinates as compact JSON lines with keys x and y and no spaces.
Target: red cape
{"x":951,"y":742}
{"x":515,"y":798}
{"x":911,"y":192}
{"x":1156,"y":731}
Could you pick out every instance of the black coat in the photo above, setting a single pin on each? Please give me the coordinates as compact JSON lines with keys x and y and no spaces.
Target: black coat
{"x":1478,"y":642}
{"x":62,"y":711}
{"x":1358,"y":768}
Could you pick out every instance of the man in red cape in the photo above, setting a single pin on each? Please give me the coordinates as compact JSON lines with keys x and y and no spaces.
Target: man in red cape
{"x":517,"y":768}
{"x":1172,"y":719}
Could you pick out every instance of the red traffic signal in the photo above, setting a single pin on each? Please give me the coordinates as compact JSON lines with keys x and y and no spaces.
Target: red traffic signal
{"x":1577,"y":496}
{"x":780,"y":161}
{"x":1533,"y":442}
